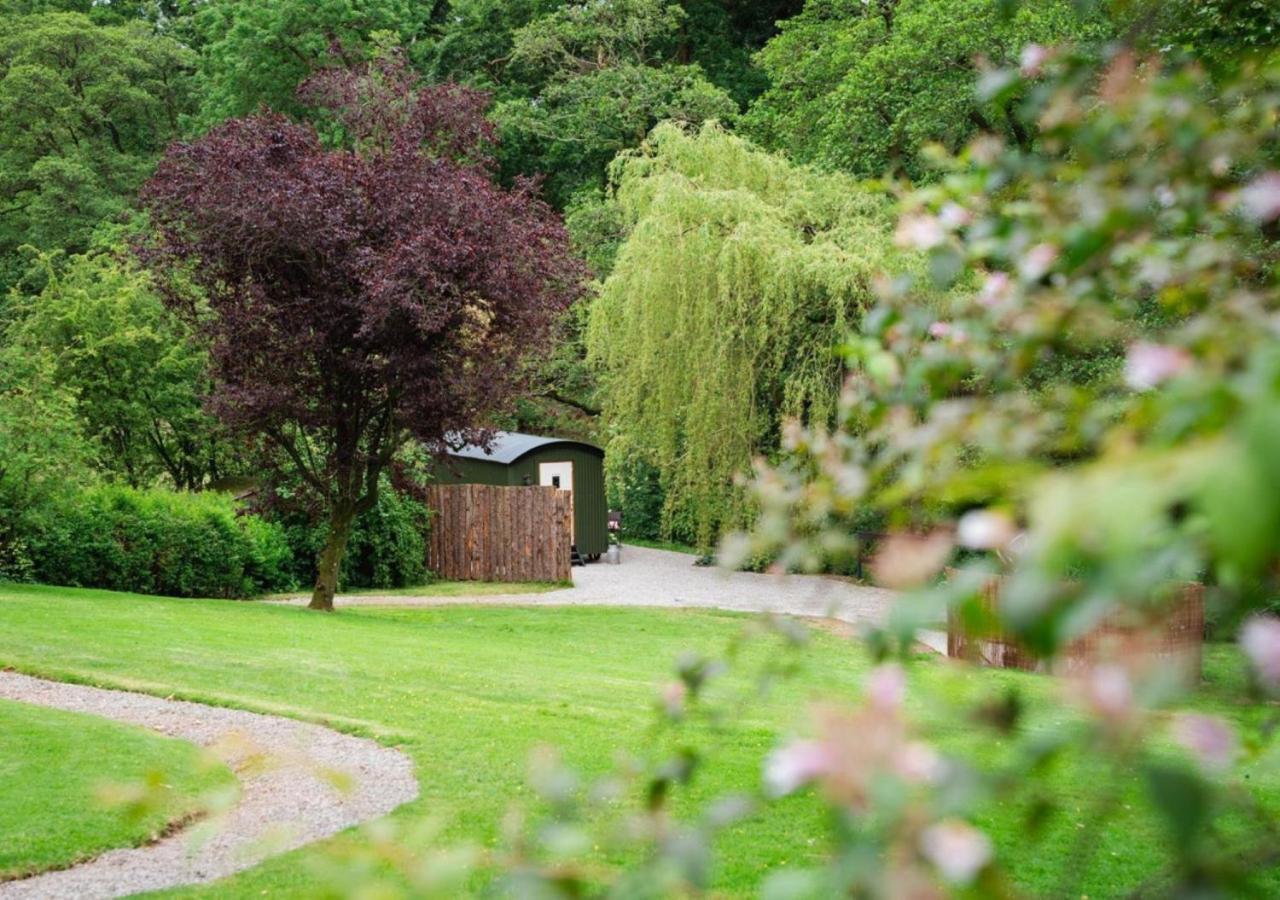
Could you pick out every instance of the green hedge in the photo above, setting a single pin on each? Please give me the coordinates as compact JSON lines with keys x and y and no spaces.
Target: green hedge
{"x":158,"y":542}
{"x":387,"y":549}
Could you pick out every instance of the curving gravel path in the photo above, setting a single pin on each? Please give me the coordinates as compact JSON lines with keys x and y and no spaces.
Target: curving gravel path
{"x":288,"y":772}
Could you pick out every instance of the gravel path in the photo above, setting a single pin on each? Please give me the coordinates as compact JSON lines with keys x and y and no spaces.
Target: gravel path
{"x":662,"y":578}
{"x":288,"y":771}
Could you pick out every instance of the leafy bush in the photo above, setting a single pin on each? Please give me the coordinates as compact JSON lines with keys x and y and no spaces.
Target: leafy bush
{"x":134,"y":369}
{"x":158,"y":542}
{"x":635,"y":487}
{"x":388,"y":545}
{"x":42,"y":453}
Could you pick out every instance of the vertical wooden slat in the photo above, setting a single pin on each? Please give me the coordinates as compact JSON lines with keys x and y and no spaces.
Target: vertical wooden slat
{"x":496,"y":533}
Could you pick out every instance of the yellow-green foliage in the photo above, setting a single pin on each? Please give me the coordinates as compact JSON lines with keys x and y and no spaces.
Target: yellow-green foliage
{"x":739,"y":274}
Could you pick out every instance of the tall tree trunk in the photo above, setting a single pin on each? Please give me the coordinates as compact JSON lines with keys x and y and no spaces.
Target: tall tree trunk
{"x":330,"y":562}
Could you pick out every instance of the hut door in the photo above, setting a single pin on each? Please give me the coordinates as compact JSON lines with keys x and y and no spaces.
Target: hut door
{"x":556,"y":474}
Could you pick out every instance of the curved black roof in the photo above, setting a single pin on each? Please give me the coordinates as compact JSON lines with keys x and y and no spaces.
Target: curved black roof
{"x":508,"y":446}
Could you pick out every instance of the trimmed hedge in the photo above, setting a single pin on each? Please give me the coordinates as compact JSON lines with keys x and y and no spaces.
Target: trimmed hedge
{"x":158,"y":542}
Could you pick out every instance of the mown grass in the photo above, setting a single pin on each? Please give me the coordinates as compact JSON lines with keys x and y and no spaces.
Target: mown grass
{"x":53,"y":765}
{"x":468,"y":692}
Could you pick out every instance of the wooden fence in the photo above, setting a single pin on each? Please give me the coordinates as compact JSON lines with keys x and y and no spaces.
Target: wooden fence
{"x":1170,"y":635}
{"x":483,"y":532}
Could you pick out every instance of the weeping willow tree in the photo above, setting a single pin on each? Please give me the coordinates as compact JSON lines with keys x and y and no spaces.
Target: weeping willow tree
{"x":739,"y":273}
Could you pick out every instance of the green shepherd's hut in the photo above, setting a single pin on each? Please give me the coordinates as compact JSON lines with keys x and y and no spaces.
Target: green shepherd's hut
{"x":526,"y":459}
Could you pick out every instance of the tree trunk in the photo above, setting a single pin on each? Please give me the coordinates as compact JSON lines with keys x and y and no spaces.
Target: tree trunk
{"x":330,"y":561}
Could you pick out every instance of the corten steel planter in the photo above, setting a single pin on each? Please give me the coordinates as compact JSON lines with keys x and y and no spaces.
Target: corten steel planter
{"x":1170,"y":635}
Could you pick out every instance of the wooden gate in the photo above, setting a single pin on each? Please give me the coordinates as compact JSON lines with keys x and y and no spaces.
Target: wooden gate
{"x":483,"y":532}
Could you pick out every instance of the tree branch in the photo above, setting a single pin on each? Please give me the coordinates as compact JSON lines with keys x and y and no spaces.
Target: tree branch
{"x":589,"y":409}
{"x":291,"y":450}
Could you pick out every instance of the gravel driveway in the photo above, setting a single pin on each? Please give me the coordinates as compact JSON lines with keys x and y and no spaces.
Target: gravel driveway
{"x":663,"y":578}
{"x":288,"y":798}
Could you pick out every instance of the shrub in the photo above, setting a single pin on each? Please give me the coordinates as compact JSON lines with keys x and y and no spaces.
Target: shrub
{"x":388,"y":545}
{"x":635,"y":487}
{"x":158,"y":542}
{"x":43,"y":456}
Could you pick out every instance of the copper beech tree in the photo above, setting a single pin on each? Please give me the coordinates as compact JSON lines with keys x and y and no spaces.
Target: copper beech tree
{"x":360,"y":286}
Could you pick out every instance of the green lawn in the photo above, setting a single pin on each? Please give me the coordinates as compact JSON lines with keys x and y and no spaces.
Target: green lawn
{"x":52,"y":767}
{"x":468,"y":691}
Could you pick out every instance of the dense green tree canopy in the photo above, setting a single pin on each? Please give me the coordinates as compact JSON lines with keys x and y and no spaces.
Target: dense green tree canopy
{"x":255,"y":53}
{"x":107,"y":12}
{"x":86,"y":110}
{"x":863,"y":86}
{"x":1217,"y":33}
{"x":131,"y":366}
{"x":738,"y":274}
{"x":472,"y":41}
{"x":595,"y":78}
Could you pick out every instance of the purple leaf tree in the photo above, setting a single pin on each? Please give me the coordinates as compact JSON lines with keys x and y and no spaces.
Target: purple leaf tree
{"x":359,"y":290}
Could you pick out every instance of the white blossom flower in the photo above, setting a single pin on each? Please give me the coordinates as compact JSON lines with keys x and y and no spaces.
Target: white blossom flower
{"x":795,"y":765}
{"x":957,"y":849}
{"x":953,"y":216}
{"x":919,"y":763}
{"x":1148,"y":365}
{"x":1109,"y":692}
{"x":1037,"y":262}
{"x":1210,"y":739}
{"x":996,"y":289}
{"x":985,"y":529}
{"x":1031,"y":61}
{"x":1261,"y":197}
{"x":919,"y":232}
{"x":1260,"y":640}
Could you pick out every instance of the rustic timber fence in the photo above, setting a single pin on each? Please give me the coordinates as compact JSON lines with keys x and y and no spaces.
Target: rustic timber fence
{"x":1170,"y":635}
{"x":483,"y":532}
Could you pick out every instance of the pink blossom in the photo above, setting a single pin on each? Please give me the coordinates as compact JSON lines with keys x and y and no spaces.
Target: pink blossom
{"x":799,"y":763}
{"x":1109,"y":693}
{"x":1210,"y":739}
{"x":1260,"y":640}
{"x":904,"y":560}
{"x":959,"y":850}
{"x":996,"y":289}
{"x":1261,"y":197}
{"x":919,"y":763}
{"x":887,"y":686}
{"x":985,"y":529}
{"x":673,"y":697}
{"x":953,"y":216}
{"x":1032,"y":60}
{"x":940,"y":329}
{"x":1148,"y":365}
{"x":920,"y":232}
{"x":1037,"y":262}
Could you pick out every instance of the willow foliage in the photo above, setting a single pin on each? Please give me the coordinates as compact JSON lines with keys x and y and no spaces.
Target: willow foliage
{"x":739,"y":274}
